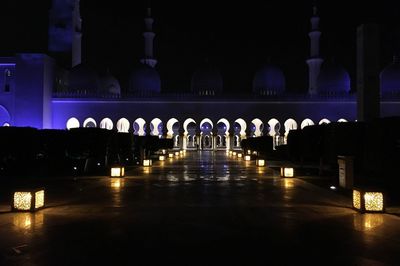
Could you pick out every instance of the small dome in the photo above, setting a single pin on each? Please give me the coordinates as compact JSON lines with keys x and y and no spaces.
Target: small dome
{"x":144,"y":80}
{"x":83,"y":79}
{"x":390,"y":78}
{"x":269,"y":80}
{"x":207,"y":81}
{"x":333,"y":80}
{"x":110,"y":85}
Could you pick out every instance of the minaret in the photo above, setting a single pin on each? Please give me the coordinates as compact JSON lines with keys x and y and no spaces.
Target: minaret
{"x":314,"y":62}
{"x":65,"y":34}
{"x":77,"y":35}
{"x":148,"y":41}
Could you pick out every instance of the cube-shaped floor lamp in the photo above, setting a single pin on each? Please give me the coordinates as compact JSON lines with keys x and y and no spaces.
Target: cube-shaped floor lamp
{"x":147,"y":162}
{"x":28,"y":200}
{"x":368,"y":200}
{"x":260,"y":162}
{"x":287,"y":171}
{"x":117,"y":171}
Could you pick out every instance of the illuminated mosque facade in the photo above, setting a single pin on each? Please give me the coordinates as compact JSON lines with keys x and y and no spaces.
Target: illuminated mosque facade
{"x":36,"y":92}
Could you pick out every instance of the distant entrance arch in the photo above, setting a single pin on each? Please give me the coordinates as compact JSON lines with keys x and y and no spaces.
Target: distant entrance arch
{"x":4,"y":116}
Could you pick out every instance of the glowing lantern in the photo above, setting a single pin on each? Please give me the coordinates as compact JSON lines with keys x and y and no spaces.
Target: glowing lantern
{"x":239,"y":155}
{"x":118,"y":171}
{"x":170,"y":155}
{"x":247,"y":158}
{"x":287,"y":172}
{"x":177,"y":153}
{"x":147,"y":162}
{"x":368,"y":201}
{"x":230,"y":152}
{"x":234,"y":153}
{"x":164,"y":151}
{"x":161,"y":158}
{"x":28,"y":200}
{"x":248,"y":151}
{"x":260,"y":162}
{"x":181,"y":152}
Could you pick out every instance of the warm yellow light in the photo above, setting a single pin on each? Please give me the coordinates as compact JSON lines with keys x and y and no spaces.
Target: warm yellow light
{"x":357,"y":199}
{"x":161,"y":158}
{"x":369,"y":201}
{"x":230,"y":152}
{"x":239,"y":155}
{"x":248,"y":151}
{"x":181,"y":152}
{"x":147,"y":162}
{"x":260,"y":162}
{"x":117,"y":183}
{"x":22,"y":201}
{"x":177,"y":153}
{"x":247,"y":158}
{"x":288,"y":183}
{"x":287,"y":172}
{"x":170,"y":155}
{"x":39,"y":199}
{"x":164,"y":151}
{"x":234,"y":153}
{"x":373,"y":201}
{"x":30,"y":200}
{"x":367,"y":221}
{"x":117,"y":171}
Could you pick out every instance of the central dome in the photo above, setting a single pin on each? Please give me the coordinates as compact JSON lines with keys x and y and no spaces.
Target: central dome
{"x":333,"y":80}
{"x":207,"y":81}
{"x":144,"y":80}
{"x":269,"y":80}
{"x":110,"y":85}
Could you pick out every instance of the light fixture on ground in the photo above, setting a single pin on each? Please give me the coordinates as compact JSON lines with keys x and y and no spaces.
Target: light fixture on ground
{"x":234,"y":153}
{"x":161,"y":158}
{"x":181,"y":152}
{"x":164,"y":151}
{"x":170,"y":155}
{"x":247,"y":158}
{"x":177,"y":153}
{"x":117,"y":171}
{"x":147,"y":162}
{"x":248,"y":151}
{"x":260,"y":162}
{"x":230,"y":152}
{"x":239,"y":155}
{"x":287,"y":171}
{"x":28,"y":200}
{"x":368,"y":200}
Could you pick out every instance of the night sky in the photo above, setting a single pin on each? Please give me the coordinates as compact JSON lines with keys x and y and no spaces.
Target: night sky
{"x":238,"y":38}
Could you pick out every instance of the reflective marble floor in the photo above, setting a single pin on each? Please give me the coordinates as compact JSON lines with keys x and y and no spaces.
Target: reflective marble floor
{"x":202,"y":208}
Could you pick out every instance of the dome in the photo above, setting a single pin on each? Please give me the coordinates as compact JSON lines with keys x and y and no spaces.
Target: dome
{"x":207,"y":81}
{"x":110,"y":85}
{"x":333,"y":80}
{"x":144,"y":80}
{"x":83,"y":79}
{"x":269,"y":80}
{"x":390,"y":78}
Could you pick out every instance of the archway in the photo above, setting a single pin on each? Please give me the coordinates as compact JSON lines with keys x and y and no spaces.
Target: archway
{"x":156,"y":127}
{"x":222,"y":139}
{"x":342,"y":120}
{"x":4,"y":116}
{"x":206,"y":135}
{"x":239,"y":132}
{"x":89,"y":122}
{"x":123,"y":125}
{"x":324,"y":121}
{"x":306,"y":122}
{"x":106,"y":123}
{"x":290,"y":124}
{"x":72,"y":123}
{"x":274,"y":128}
{"x":189,"y":127}
{"x":139,"y":127}
{"x":257,"y":127}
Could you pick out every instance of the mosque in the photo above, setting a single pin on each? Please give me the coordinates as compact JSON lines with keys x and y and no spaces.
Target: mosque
{"x":37,"y":92}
